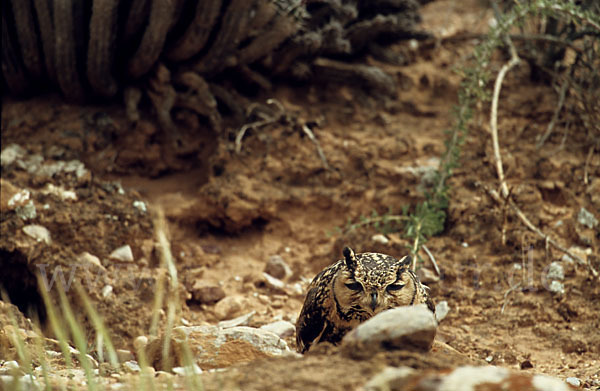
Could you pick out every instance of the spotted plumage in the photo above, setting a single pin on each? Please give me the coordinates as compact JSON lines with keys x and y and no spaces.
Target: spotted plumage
{"x":351,"y":291}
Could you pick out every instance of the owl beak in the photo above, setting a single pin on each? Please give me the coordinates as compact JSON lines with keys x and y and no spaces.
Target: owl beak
{"x":373,"y":300}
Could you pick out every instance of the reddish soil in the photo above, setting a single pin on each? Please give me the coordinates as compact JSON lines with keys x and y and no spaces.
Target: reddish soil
{"x":228,"y":213}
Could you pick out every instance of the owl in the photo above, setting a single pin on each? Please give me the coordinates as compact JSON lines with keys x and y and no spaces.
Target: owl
{"x":351,"y":291}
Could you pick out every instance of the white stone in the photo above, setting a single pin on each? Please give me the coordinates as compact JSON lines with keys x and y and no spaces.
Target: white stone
{"x":575,"y":382}
{"x":555,"y":271}
{"x":10,"y":154}
{"x":278,"y":268}
{"x":282,"y":328}
{"x":441,"y":310}
{"x":183,"y":371}
{"x":60,"y":192}
{"x":140,"y":342}
{"x":27,"y":211}
{"x":556,"y":287}
{"x":391,"y":378}
{"x":140,"y":205}
{"x":273,"y":282}
{"x":586,"y":218}
{"x":379,"y":238}
{"x":547,"y":383}
{"x":38,"y":232}
{"x":229,"y":307}
{"x":107,"y":291}
{"x":123,"y":254}
{"x":131,"y":366}
{"x":19,"y":198}
{"x":89,"y":259}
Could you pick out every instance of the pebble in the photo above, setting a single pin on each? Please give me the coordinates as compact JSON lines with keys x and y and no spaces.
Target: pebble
{"x":391,"y":378}
{"x":205,"y":293}
{"x":273,"y":282}
{"x":402,"y":327}
{"x":282,"y":328}
{"x":27,"y":211}
{"x":575,"y":382}
{"x":89,"y":259}
{"x":139,"y":343}
{"x":379,"y":238}
{"x":60,"y":192}
{"x":182,"y":371}
{"x":556,"y":287}
{"x":278,"y":268}
{"x":586,"y":218}
{"x":441,"y":310}
{"x":555,"y":271}
{"x":427,"y":276}
{"x":123,"y":254}
{"x":107,"y":290}
{"x":38,"y":232}
{"x":124,"y":355}
{"x":140,"y":205}
{"x":10,"y":154}
{"x":131,"y":366}
{"x":228,"y":307}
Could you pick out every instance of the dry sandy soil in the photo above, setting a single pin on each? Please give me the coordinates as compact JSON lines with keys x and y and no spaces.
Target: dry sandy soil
{"x":228,"y":213}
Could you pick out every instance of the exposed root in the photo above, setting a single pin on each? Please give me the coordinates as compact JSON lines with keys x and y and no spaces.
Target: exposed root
{"x":161,"y":18}
{"x":265,"y":119}
{"x":312,"y":138}
{"x":196,"y":35}
{"x":101,"y":50}
{"x":28,"y":38}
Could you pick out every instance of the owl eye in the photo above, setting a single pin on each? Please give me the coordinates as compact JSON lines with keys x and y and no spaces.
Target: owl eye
{"x":394,"y":287}
{"x":355,"y":286}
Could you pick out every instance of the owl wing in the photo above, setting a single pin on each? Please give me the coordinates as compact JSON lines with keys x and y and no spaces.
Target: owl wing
{"x":312,"y":320}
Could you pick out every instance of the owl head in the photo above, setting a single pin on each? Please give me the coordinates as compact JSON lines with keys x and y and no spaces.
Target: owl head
{"x":370,"y":283}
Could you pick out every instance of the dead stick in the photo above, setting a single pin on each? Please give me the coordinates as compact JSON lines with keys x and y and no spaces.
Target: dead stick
{"x":514,"y":60}
{"x":535,"y":229}
{"x":432,"y":259}
{"x":312,"y":138}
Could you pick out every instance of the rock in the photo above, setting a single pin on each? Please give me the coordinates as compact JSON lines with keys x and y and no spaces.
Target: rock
{"x":183,"y":371}
{"x":379,"y":238}
{"x":88,"y":259}
{"x":140,"y":205}
{"x":38,"y":232}
{"x":277,"y":267}
{"x":123,"y":254}
{"x":273,"y":282}
{"x":556,"y":287}
{"x":12,"y":196}
{"x":390,"y":379}
{"x":107,"y":291}
{"x":239,"y":321}
{"x":555,"y":271}
{"x":487,"y":378}
{"x":124,"y":355}
{"x":408,"y":327}
{"x":229,"y":307}
{"x":27,"y":211}
{"x":131,"y":366}
{"x":577,"y":251}
{"x":60,"y":192}
{"x":205,"y":293}
{"x":586,"y":218}
{"x":10,"y":154}
{"x":427,"y":276}
{"x":213,"y":347}
{"x":441,"y":310}
{"x":140,"y":343}
{"x":575,"y":382}
{"x":282,"y":328}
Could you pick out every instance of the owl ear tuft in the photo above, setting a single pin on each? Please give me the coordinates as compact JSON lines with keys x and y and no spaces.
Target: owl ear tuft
{"x":406,"y":261}
{"x":350,"y":258}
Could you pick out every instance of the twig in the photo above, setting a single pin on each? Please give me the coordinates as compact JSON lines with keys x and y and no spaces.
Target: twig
{"x":561,"y":101}
{"x":266,"y":120}
{"x":432,"y":259}
{"x":535,"y":229}
{"x":312,"y":138}
{"x":514,"y":60}
{"x":511,"y":289}
{"x":587,"y":164}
